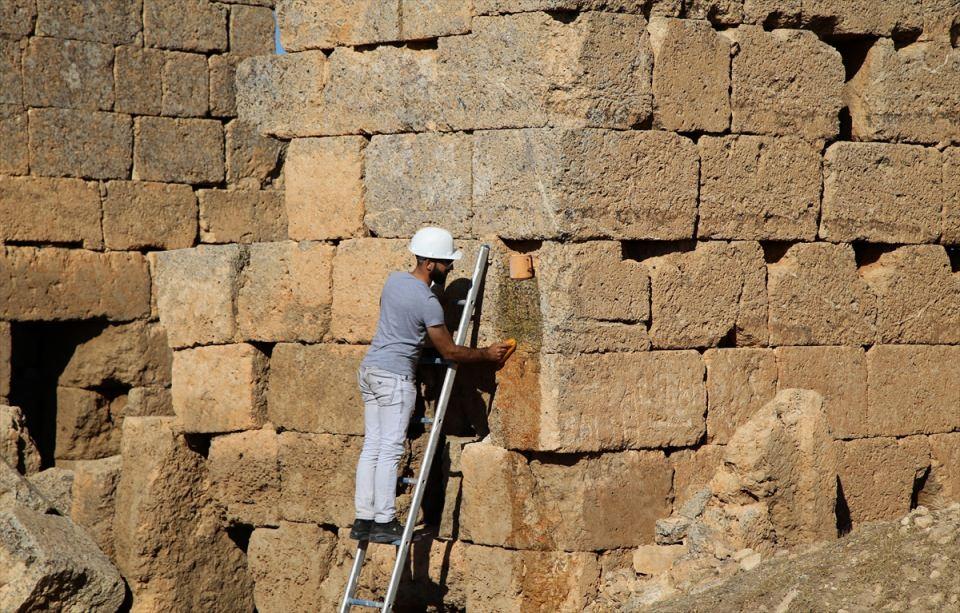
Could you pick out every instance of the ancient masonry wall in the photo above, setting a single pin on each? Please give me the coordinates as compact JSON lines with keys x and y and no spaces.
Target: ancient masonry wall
{"x":723,"y":198}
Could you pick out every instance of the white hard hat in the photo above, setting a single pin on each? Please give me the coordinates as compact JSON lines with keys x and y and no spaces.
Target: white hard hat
{"x":434,"y":243}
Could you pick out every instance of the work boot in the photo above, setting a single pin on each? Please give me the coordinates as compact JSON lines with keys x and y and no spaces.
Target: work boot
{"x":389,"y":532}
{"x":361,"y":529}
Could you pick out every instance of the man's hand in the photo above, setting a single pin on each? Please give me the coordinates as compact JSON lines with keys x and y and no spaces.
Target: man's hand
{"x":443,"y":342}
{"x":498,"y":352}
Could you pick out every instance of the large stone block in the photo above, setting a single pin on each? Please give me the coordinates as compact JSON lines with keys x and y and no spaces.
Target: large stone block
{"x":592,"y":503}
{"x":531,"y":184}
{"x":323,"y":187}
{"x":197,"y":159}
{"x":15,"y":155}
{"x":739,"y":383}
{"x":691,"y":75}
{"x":56,"y":485}
{"x":57,"y":284}
{"x":945,"y":465}
{"x":313,"y":388}
{"x":290,"y":567}
{"x":864,"y":17}
{"x":906,"y":94}
{"x":185,"y":85}
{"x":87,"y":144}
{"x":36,"y":209}
{"x":88,"y":425}
{"x":317,"y":473}
{"x":713,"y":293}
{"x":495,"y":7}
{"x":142,"y":215}
{"x":284,"y":292}
{"x":223,"y":90}
{"x":11,"y":80}
{"x":785,"y":82}
{"x":759,"y":188}
{"x":17,"y":491}
{"x":692,"y":471}
{"x":16,"y":447}
{"x":877,"y":476}
{"x":241,"y":216}
{"x":951,"y":205}
{"x":138,"y":74}
{"x":881,"y":193}
{"x":817,"y":298}
{"x":251,"y":156}
{"x":51,"y":564}
{"x":322,"y":24}
{"x":251,"y":30}
{"x":149,"y":401}
{"x":17,"y":17}
{"x":221,"y":388}
{"x":839,"y":375}
{"x":68,"y":74}
{"x":195,"y":566}
{"x":918,"y":296}
{"x":188,"y":25}
{"x":911,"y":389}
{"x":596,"y":402}
{"x":432,"y":18}
{"x":131,"y":355}
{"x":245,"y":475}
{"x":416,"y":180}
{"x":196,"y":289}
{"x":94,"y":498}
{"x":6,"y":363}
{"x":111,"y":21}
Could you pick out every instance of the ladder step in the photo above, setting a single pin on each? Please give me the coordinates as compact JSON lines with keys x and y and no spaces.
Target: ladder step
{"x":360,"y":602}
{"x":462,"y":302}
{"x":408,"y":481}
{"x":428,"y":361}
{"x":426,"y":420}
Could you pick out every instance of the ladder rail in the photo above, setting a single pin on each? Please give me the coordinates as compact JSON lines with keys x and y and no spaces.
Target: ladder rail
{"x":466,"y":317}
{"x":354,"y":577}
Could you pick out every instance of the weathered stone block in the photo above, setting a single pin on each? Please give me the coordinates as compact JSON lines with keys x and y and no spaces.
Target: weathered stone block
{"x":250,"y":155}
{"x":877,"y":475}
{"x":68,"y":74}
{"x":284,"y":292}
{"x":531,"y":184}
{"x":53,"y":564}
{"x":323,"y":187}
{"x":141,"y":215}
{"x":691,"y":75}
{"x":223,"y":91}
{"x":149,"y":401}
{"x":87,"y":427}
{"x":881,"y":193}
{"x":758,"y":187}
{"x":494,"y":7}
{"x":251,"y":30}
{"x":318,"y":472}
{"x":313,"y":388}
{"x":839,"y":375}
{"x":134,"y":355}
{"x":692,"y":471}
{"x":907,"y":94}
{"x":110,"y":21}
{"x":951,"y":205}
{"x":36,"y":209}
{"x":432,"y":18}
{"x":188,"y":25}
{"x":241,"y":216}
{"x":722,"y":12}
{"x":221,"y":388}
{"x":507,"y":580}
{"x":595,"y":402}
{"x":416,"y":180}
{"x":712,"y":293}
{"x":323,"y":24}
{"x":56,"y":284}
{"x":11,"y":81}
{"x":17,"y":491}
{"x":864,"y":17}
{"x":290,"y":567}
{"x":139,"y":80}
{"x":739,"y":383}
{"x":785,"y":82}
{"x":17,"y":17}
{"x":87,"y":144}
{"x":945,"y":465}
{"x":595,"y":503}
{"x":15,"y":155}
{"x":918,"y":296}
{"x":245,"y":475}
{"x":197,"y":159}
{"x":163,"y":484}
{"x":195,"y":294}
{"x":817,"y":298}
{"x":6,"y":353}
{"x":186,"y":86}
{"x":94,"y":499}
{"x":16,"y":447}
{"x":56,"y":485}
{"x":356,"y":287}
{"x":911,"y":389}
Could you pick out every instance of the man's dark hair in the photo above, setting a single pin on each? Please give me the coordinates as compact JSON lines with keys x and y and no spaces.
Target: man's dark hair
{"x":421,"y":260}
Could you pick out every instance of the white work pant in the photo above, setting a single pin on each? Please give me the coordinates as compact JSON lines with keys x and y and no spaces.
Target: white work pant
{"x":388,"y":401}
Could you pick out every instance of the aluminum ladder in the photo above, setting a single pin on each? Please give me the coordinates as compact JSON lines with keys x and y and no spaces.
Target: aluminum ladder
{"x":403,"y":545}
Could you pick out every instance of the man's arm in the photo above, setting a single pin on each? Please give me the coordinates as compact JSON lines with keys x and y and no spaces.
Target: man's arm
{"x":443,"y":342}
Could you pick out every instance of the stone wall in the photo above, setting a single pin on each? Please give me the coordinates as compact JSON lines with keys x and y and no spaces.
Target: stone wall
{"x":724,"y":199}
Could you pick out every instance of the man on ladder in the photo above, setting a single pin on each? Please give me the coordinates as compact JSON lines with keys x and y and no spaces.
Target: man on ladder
{"x":409,"y":312}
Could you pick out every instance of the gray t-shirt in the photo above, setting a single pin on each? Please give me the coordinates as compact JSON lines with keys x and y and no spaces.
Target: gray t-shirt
{"x":407,"y":309}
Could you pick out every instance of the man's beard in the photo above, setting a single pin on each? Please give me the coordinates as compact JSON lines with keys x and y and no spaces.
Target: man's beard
{"x":438,"y":277}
